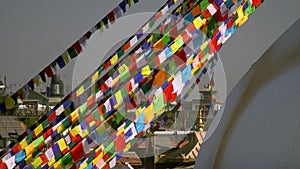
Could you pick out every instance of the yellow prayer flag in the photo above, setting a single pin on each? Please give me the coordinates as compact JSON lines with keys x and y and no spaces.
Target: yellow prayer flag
{"x":146,"y":70}
{"x":84,"y":133}
{"x":95,"y":77}
{"x":30,"y":148}
{"x":9,"y":103}
{"x":245,"y":18}
{"x":188,"y":62}
{"x":138,"y":112}
{"x":62,"y":144}
{"x":119,"y":98}
{"x":83,"y":166}
{"x":23,"y":143}
{"x":114,"y":59}
{"x":76,"y":130}
{"x":65,"y":57}
{"x":38,"y":130}
{"x":36,"y":80}
{"x":171,"y":77}
{"x":178,"y":9}
{"x":92,"y":123}
{"x":80,"y":91}
{"x":60,"y":128}
{"x":101,"y":26}
{"x":150,"y":39}
{"x":115,"y":81}
{"x":122,"y":68}
{"x":75,"y":115}
{"x":195,"y":69}
{"x":203,"y":46}
{"x":37,"y":162}
{"x":128,"y":146}
{"x":129,"y":3}
{"x":240,"y":13}
{"x":174,"y":47}
{"x":149,"y":113}
{"x":197,"y":22}
{"x":51,"y":162}
{"x":95,"y":161}
{"x":28,"y":159}
{"x":120,"y":131}
{"x":57,"y":165}
{"x":179,"y":41}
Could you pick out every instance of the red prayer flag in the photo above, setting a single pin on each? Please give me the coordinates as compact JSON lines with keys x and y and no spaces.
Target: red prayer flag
{"x":111,"y":17}
{"x":77,"y":152}
{"x":48,"y":70}
{"x":90,"y":102}
{"x":52,"y":117}
{"x":126,"y":46}
{"x":16,"y":148}
{"x":47,"y":133}
{"x":120,"y":143}
{"x":256,"y":3}
{"x":77,"y":47}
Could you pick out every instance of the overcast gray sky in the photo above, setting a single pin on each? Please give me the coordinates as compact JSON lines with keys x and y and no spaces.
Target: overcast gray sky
{"x":33,"y":33}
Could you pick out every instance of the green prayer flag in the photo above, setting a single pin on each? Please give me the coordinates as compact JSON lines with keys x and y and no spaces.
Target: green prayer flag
{"x":179,"y":41}
{"x":211,"y":25}
{"x":204,"y":4}
{"x":53,"y":64}
{"x":119,"y":117}
{"x":38,"y":141}
{"x":172,"y":66}
{"x":105,"y":20}
{"x":110,"y":148}
{"x":71,"y":145}
{"x":90,"y":159}
{"x":204,"y":58}
{"x":66,"y":123}
{"x":29,"y":138}
{"x":145,"y":87}
{"x":111,"y":72}
{"x":82,"y":109}
{"x":86,"y":84}
{"x":124,"y":75}
{"x":124,"y":91}
{"x":184,"y":8}
{"x":152,"y":63}
{"x":58,"y":156}
{"x":45,"y":123}
{"x":66,"y":159}
{"x":166,"y":39}
{"x":96,"y":115}
{"x":127,"y":61}
{"x":120,"y":52}
{"x":249,"y":10}
{"x":72,"y":52}
{"x":159,"y":103}
{"x":151,"y":23}
{"x":101,"y":129}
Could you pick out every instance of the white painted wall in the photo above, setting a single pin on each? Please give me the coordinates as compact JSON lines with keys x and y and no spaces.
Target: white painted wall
{"x":261,"y":120}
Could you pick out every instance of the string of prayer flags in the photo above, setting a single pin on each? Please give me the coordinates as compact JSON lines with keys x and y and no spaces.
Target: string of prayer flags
{"x":74,"y":50}
{"x":83,"y":110}
{"x":104,"y":128}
